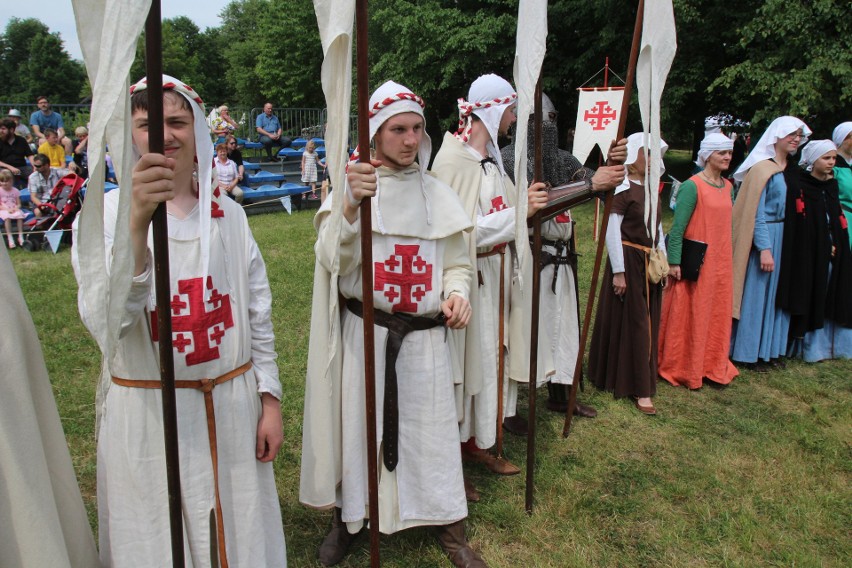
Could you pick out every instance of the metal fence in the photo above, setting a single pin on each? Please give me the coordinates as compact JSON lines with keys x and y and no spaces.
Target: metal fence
{"x":296,"y":122}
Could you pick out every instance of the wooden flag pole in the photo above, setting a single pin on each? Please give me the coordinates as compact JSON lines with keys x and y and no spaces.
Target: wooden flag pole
{"x":536,"y":291}
{"x":154,"y":72}
{"x":366,"y":219}
{"x":622,"y":124}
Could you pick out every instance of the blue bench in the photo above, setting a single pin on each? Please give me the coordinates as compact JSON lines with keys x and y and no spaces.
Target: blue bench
{"x":290,"y":153}
{"x":262,"y":177}
{"x":251,"y":166}
{"x":268,"y":191}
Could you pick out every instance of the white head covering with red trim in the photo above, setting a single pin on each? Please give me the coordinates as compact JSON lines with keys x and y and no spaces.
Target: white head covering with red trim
{"x":389,"y":100}
{"x":209,"y":199}
{"x":489,"y":96}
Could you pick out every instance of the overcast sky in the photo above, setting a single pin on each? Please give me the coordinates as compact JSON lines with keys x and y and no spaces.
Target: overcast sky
{"x":58,"y":15}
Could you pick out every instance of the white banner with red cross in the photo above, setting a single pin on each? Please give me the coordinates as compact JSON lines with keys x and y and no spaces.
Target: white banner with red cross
{"x":597,"y":120}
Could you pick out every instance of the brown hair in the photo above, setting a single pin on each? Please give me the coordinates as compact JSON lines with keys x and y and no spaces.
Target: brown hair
{"x":220,"y":147}
{"x":139,"y":100}
{"x":5,"y":175}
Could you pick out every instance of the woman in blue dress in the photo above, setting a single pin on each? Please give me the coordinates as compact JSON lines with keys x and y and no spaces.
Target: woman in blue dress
{"x":760,"y":329}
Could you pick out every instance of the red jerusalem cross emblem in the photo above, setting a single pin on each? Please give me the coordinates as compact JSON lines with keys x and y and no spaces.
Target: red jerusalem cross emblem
{"x":497,"y":204}
{"x":601,"y":113}
{"x":404,"y":276}
{"x":193,"y":324}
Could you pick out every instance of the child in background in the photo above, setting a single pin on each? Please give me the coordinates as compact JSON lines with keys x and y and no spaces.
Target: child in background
{"x":53,"y":149}
{"x":310,"y":160}
{"x":10,"y":207}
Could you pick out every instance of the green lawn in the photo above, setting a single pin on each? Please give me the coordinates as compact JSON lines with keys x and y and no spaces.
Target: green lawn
{"x":756,"y":474}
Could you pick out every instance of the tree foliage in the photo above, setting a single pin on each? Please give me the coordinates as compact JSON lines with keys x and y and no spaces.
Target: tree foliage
{"x":33,"y":63}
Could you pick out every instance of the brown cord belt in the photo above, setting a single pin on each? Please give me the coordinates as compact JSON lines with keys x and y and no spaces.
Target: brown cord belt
{"x":647,"y":251}
{"x":206,"y":386}
{"x":498,"y":249}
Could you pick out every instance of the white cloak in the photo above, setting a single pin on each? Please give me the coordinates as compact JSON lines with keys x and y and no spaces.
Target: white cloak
{"x":220,"y":334}
{"x":427,"y":486}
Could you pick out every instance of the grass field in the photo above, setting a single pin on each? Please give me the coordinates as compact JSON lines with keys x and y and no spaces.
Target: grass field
{"x":756,"y":474}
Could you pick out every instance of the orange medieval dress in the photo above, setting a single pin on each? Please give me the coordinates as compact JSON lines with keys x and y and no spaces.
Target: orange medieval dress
{"x":695,"y":326}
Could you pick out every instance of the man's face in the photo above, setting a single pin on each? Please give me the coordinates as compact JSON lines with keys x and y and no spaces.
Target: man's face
{"x":267,"y":109}
{"x":17,"y":119}
{"x":42,"y":167}
{"x":507,"y":120}
{"x":398,"y":140}
{"x":43,"y":105}
{"x":4,"y":132}
{"x":178,"y":131}
{"x":52,"y":138}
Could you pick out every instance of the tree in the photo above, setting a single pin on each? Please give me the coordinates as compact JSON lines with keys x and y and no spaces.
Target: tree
{"x":33,"y":63}
{"x":797,"y":60}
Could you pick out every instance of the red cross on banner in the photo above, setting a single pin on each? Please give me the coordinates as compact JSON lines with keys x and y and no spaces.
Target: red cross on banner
{"x":600,"y":115}
{"x":405,"y":276}
{"x":497,"y":204}
{"x":194,"y":325}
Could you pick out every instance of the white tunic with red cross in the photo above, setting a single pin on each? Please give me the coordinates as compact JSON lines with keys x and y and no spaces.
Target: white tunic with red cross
{"x":219,"y":323}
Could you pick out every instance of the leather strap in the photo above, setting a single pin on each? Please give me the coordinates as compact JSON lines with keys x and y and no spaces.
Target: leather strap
{"x":206,"y":386}
{"x":564,"y":256}
{"x":398,"y":325}
{"x":496,"y":250}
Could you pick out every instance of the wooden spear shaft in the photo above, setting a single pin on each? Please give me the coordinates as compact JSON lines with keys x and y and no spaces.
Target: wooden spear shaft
{"x":622,"y":124}
{"x":536,"y":292}
{"x":366,"y":218}
{"x":154,"y":72}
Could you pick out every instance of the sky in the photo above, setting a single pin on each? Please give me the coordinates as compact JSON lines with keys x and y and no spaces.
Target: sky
{"x":58,"y":15}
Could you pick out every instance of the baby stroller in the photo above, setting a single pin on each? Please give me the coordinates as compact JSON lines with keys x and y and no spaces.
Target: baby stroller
{"x":58,"y":212}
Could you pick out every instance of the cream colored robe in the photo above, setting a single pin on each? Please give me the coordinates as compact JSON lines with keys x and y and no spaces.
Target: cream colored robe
{"x":42,"y":518}
{"x":426,"y":487}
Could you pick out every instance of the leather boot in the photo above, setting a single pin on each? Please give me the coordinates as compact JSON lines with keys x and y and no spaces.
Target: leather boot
{"x":516,"y":425}
{"x":557,"y":397}
{"x":500,"y":466}
{"x":470,"y":492}
{"x":455,"y":545}
{"x":336,"y":543}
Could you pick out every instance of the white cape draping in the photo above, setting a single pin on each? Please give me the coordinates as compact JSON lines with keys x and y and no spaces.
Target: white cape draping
{"x":529,"y":56}
{"x":108,"y":31}
{"x":321,"y":454}
{"x":656,"y":54}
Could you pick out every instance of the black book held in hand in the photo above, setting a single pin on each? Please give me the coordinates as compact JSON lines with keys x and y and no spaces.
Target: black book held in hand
{"x":691,"y":258}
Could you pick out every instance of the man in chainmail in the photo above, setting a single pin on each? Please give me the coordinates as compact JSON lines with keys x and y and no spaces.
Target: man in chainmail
{"x":559,"y":330}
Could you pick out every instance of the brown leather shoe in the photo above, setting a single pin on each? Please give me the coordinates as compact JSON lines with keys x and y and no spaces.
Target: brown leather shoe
{"x":336,"y":543}
{"x":516,"y":425}
{"x":470,"y":492}
{"x":649,"y":410}
{"x":500,"y":466}
{"x":584,"y":410}
{"x":455,"y":545}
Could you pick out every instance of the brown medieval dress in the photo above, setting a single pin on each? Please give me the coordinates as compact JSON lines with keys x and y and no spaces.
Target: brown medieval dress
{"x":623,"y":353}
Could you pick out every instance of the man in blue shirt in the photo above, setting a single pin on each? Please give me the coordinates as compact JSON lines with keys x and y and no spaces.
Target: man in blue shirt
{"x":45,"y":118}
{"x":269,"y":129}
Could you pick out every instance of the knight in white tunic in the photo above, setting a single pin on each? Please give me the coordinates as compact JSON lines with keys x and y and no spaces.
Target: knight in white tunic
{"x":221,"y":330}
{"x":421,"y":274}
{"x":470,"y":162}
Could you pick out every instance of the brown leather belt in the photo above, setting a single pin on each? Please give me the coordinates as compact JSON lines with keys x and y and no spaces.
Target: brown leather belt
{"x":398,"y":325}
{"x":206,"y":386}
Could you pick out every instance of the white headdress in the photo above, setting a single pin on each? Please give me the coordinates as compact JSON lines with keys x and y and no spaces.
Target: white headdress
{"x":209,"y":200}
{"x":488,"y":98}
{"x":636,"y":142}
{"x":765,"y":147}
{"x":713,"y":142}
{"x":840,"y":133}
{"x":814,"y":151}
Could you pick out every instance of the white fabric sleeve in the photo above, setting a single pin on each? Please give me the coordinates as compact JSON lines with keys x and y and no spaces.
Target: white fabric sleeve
{"x":263,"y":354}
{"x":496,"y":228}
{"x":349,"y":252}
{"x":458,"y":272}
{"x":662,"y":242}
{"x":614,"y":248}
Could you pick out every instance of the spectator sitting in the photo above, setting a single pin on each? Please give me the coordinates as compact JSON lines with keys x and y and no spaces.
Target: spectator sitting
{"x":20,"y":128}
{"x":227,"y":171}
{"x":42,"y":181}
{"x":235,"y":156}
{"x":80,"y":165}
{"x":222,"y":124}
{"x":52,"y":149}
{"x":15,"y":153}
{"x":44,"y":118}
{"x":269,"y":129}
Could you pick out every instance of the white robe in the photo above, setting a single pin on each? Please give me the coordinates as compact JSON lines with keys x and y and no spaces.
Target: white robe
{"x":427,"y":485}
{"x":132,"y":493}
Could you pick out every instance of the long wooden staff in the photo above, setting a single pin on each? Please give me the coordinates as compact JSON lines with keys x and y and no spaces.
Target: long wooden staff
{"x":154,"y":72}
{"x":622,"y":124}
{"x":366,"y":214}
{"x":536,"y":291}
{"x":501,"y":359}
